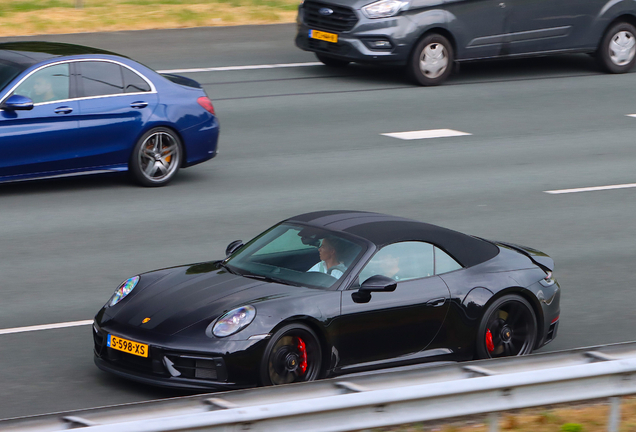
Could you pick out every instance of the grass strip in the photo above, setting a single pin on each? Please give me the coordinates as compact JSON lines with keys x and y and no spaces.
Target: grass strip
{"x":585,"y":417}
{"x":33,"y":17}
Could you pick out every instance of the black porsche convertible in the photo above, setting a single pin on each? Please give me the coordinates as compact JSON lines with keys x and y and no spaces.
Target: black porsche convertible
{"x":324,"y":294}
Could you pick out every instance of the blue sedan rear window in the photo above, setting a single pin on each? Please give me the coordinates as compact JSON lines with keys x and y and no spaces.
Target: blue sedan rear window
{"x":8,"y":73}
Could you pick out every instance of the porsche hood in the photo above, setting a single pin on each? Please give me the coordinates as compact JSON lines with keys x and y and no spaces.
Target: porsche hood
{"x":177,"y":298}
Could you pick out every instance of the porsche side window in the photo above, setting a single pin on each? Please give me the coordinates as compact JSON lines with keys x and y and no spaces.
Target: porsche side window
{"x":46,"y":85}
{"x":100,"y":79}
{"x":401,"y":261}
{"x":444,"y":263}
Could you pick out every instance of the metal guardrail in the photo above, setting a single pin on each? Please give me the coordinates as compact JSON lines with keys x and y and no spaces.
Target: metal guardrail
{"x":382,"y":398}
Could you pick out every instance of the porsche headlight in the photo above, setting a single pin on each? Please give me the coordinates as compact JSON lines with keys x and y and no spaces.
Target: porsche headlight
{"x":384,"y":8}
{"x":123,"y":290}
{"x":234,"y":321}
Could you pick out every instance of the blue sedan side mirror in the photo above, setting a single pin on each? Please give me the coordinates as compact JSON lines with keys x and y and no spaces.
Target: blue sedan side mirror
{"x":17,"y":102}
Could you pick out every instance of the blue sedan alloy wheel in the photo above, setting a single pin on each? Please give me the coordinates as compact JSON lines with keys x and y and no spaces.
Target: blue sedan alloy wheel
{"x":156,"y":157}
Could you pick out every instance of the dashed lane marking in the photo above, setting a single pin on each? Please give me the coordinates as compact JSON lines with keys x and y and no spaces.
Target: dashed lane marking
{"x":45,"y":327}
{"x":238,"y":68}
{"x":591,"y":189}
{"x":425,"y":134}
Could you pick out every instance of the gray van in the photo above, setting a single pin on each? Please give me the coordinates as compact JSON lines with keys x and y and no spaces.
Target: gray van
{"x":428,"y":36}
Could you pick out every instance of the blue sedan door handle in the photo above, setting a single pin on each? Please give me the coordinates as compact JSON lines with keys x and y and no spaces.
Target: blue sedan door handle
{"x":63,"y":110}
{"x":436,"y":302}
{"x":139,"y":105}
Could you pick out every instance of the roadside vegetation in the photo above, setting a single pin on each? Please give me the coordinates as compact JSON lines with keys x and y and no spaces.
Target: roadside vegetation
{"x":32,"y":17}
{"x":577,"y":418}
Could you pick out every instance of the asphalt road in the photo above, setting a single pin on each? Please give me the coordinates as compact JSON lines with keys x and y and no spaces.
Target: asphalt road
{"x":300,"y":139}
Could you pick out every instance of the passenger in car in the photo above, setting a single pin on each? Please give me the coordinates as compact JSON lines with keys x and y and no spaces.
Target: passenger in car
{"x":330,"y":251}
{"x":390,"y":267}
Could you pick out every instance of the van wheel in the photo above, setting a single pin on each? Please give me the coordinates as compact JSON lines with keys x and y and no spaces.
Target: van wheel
{"x":432,"y":60}
{"x":330,"y":61}
{"x":617,"y":52}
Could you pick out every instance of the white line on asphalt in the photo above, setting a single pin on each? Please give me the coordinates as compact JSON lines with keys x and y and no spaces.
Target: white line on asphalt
{"x":237,"y":68}
{"x":630,"y":115}
{"x":45,"y":327}
{"x":590,"y":189}
{"x":423,"y":134}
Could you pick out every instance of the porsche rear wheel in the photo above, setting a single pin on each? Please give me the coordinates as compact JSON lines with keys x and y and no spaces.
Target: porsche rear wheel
{"x":508,"y":328}
{"x":293,"y":354}
{"x":156,"y":158}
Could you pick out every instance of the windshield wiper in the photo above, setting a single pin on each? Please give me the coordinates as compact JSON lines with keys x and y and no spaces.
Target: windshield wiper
{"x":227,"y":267}
{"x":270,"y":279}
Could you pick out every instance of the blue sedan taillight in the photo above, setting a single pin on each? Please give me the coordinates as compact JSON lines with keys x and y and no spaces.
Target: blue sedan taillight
{"x":206,"y":103}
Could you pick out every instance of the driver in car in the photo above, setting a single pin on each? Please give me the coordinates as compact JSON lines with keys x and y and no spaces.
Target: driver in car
{"x":330,"y":263}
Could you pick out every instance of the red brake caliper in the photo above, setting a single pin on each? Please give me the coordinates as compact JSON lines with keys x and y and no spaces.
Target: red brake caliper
{"x":303,"y":356}
{"x":489,"y":344}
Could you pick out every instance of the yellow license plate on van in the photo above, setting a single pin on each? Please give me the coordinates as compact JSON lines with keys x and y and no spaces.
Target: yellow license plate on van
{"x":323,"y":36}
{"x":127,"y":346}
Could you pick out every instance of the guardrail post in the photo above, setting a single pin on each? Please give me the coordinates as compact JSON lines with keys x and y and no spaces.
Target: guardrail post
{"x":615,"y":414}
{"x":493,"y":421}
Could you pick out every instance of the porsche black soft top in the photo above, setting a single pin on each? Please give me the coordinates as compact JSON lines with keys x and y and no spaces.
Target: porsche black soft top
{"x":381,"y":229}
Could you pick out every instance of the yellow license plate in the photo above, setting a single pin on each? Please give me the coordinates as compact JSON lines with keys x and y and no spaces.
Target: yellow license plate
{"x":323,"y":36}
{"x":127,"y":346}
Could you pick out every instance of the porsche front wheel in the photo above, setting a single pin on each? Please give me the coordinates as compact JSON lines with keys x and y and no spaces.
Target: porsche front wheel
{"x":156,"y":158}
{"x":508,"y":328}
{"x":293,"y":354}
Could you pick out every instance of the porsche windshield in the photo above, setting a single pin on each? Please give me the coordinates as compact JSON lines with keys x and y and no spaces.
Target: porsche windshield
{"x":7,"y":73}
{"x":296,"y":255}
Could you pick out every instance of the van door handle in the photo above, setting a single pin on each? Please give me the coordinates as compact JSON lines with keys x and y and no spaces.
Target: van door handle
{"x":139,"y":105}
{"x":437,"y":302}
{"x":63,"y":110}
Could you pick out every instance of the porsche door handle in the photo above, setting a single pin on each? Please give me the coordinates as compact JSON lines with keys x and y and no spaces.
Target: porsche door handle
{"x":63,"y":110}
{"x":437,"y":302}
{"x":139,"y":105}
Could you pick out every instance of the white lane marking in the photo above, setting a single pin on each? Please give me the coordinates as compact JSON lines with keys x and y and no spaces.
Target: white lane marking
{"x":590,"y":189}
{"x":630,"y":115}
{"x":45,"y":327}
{"x":424,"y":134}
{"x":237,"y":68}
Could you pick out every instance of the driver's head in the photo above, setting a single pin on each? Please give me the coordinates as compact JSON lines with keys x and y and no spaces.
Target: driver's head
{"x":331,"y":249}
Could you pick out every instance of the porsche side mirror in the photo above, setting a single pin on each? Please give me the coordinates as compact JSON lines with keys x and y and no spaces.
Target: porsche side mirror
{"x":375,"y":283}
{"x":17,"y":103}
{"x":378,"y":283}
{"x":233,"y":247}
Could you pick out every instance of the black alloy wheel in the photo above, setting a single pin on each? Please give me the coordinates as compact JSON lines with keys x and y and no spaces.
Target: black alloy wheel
{"x":432,"y":60}
{"x":156,"y":158}
{"x":617,"y":52}
{"x":331,"y":61}
{"x":508,"y":328}
{"x":293,"y":354}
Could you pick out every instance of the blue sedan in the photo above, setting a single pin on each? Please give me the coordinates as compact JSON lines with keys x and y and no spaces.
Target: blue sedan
{"x":67,"y":110}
